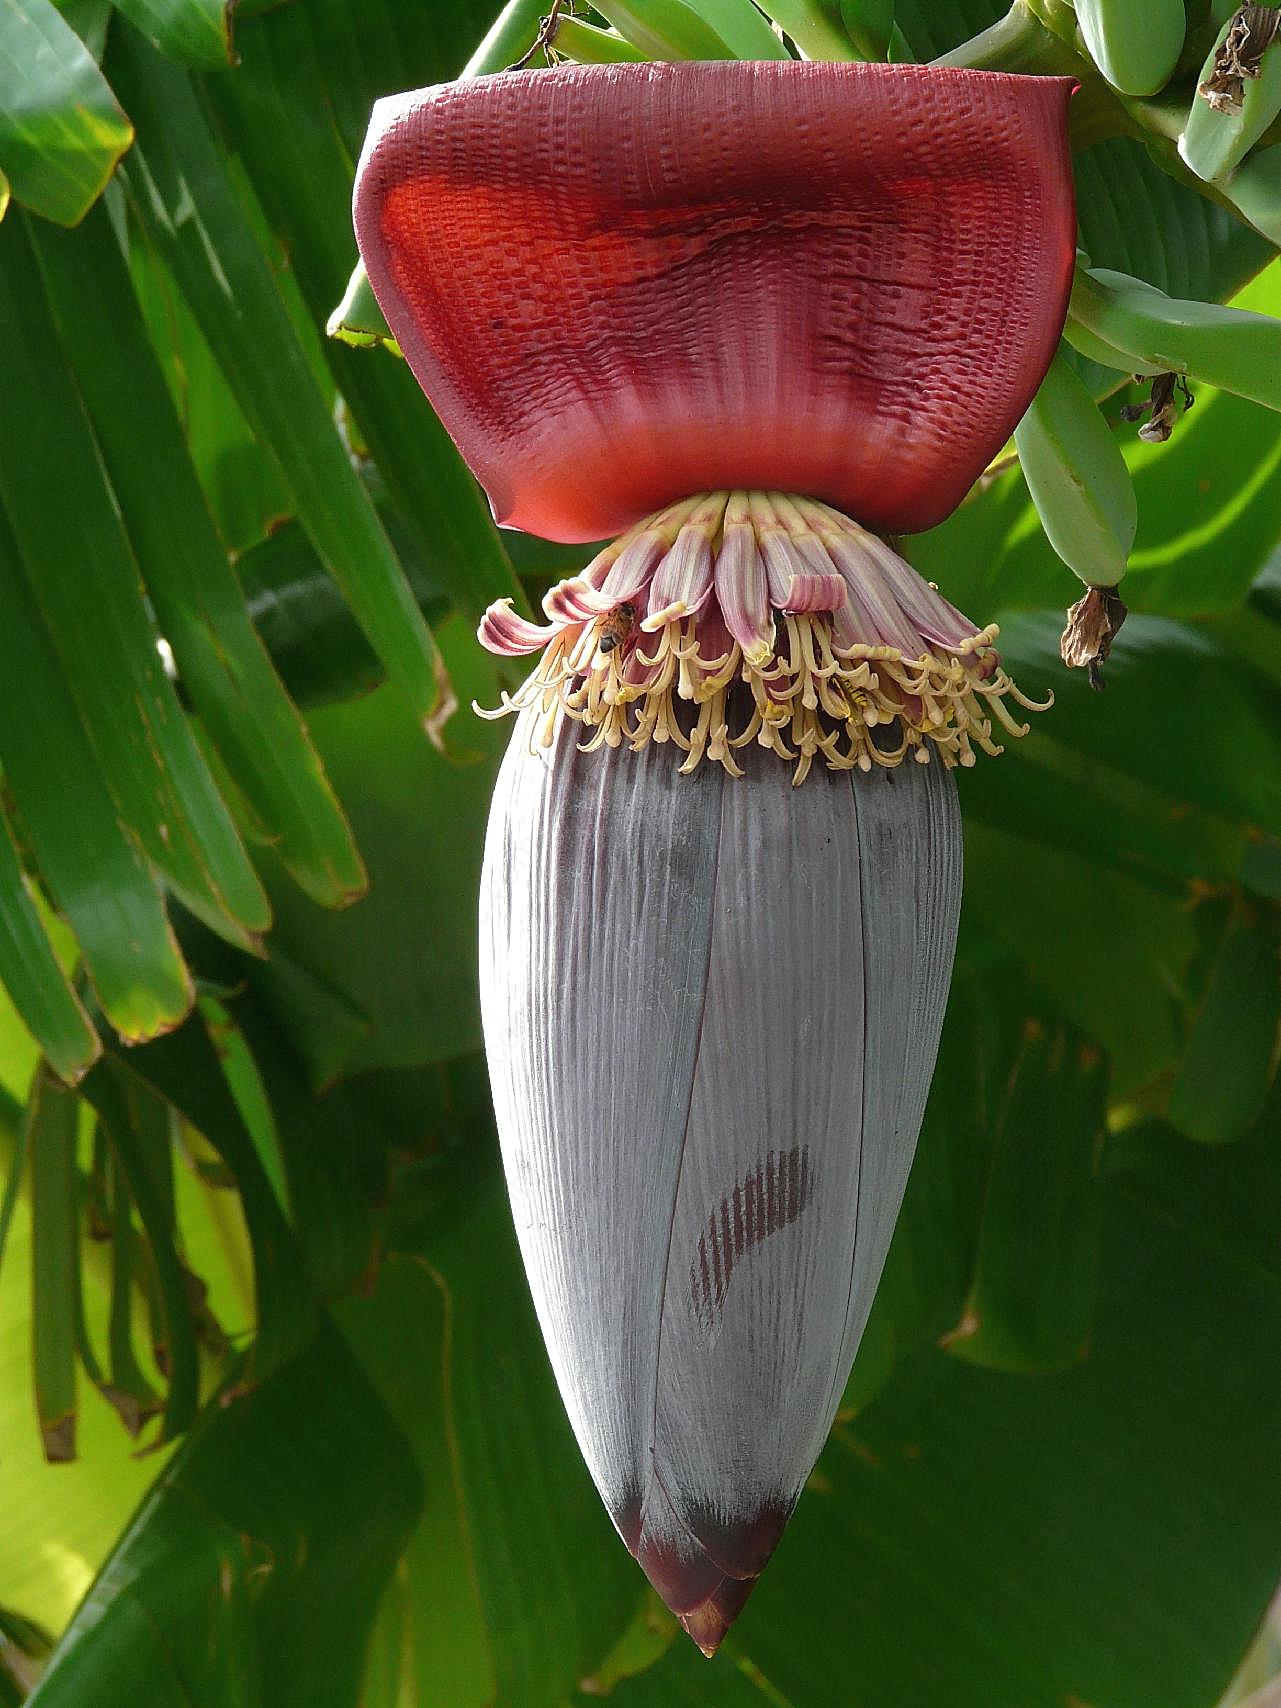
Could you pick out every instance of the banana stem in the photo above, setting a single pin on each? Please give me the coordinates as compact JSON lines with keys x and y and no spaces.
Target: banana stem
{"x":1017,"y":42}
{"x":511,"y":35}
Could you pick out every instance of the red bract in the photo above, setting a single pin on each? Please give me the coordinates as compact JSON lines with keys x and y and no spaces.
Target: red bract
{"x":622,"y":285}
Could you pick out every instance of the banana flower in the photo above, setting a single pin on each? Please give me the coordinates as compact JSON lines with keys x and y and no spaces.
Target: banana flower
{"x":751,"y":321}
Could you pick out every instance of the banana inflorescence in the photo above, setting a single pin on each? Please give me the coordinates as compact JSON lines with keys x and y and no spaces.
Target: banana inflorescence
{"x":1238,"y":93}
{"x":1136,"y":47}
{"x":1078,"y":478}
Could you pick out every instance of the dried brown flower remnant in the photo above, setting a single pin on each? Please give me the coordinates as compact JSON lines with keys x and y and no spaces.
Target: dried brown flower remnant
{"x":1252,"y":32}
{"x":1093,"y":623}
{"x":1162,"y":408}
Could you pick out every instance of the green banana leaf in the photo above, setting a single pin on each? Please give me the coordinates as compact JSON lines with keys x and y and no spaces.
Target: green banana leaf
{"x":210,"y":1615}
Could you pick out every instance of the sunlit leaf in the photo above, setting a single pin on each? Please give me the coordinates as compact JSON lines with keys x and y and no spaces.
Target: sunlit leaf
{"x":30,"y":972}
{"x":61,"y":128}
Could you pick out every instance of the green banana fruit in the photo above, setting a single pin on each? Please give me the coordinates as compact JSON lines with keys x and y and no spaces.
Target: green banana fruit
{"x":586,"y":45}
{"x":1238,"y":93}
{"x":665,"y":29}
{"x":870,"y":25}
{"x":1230,"y":348}
{"x":1078,"y":478}
{"x":1136,"y":47}
{"x":1089,"y":344}
{"x":815,"y":26}
{"x":1255,"y":190}
{"x":742,"y":28}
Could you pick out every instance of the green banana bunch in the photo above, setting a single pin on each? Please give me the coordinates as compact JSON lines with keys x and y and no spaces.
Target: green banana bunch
{"x":1255,"y":190}
{"x":1135,"y":46}
{"x":1238,"y":93}
{"x":1230,"y":348}
{"x":1078,"y":478}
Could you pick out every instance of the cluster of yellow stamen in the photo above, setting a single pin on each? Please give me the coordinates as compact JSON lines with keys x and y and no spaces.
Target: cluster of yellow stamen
{"x":807,"y":685}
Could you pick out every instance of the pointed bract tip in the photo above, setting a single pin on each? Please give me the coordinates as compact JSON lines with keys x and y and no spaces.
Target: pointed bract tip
{"x":706,"y":1581}
{"x":708,"y":1624}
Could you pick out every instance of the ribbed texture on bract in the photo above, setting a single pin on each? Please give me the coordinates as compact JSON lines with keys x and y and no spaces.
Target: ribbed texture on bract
{"x":621,"y":285}
{"x":711,"y":1012}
